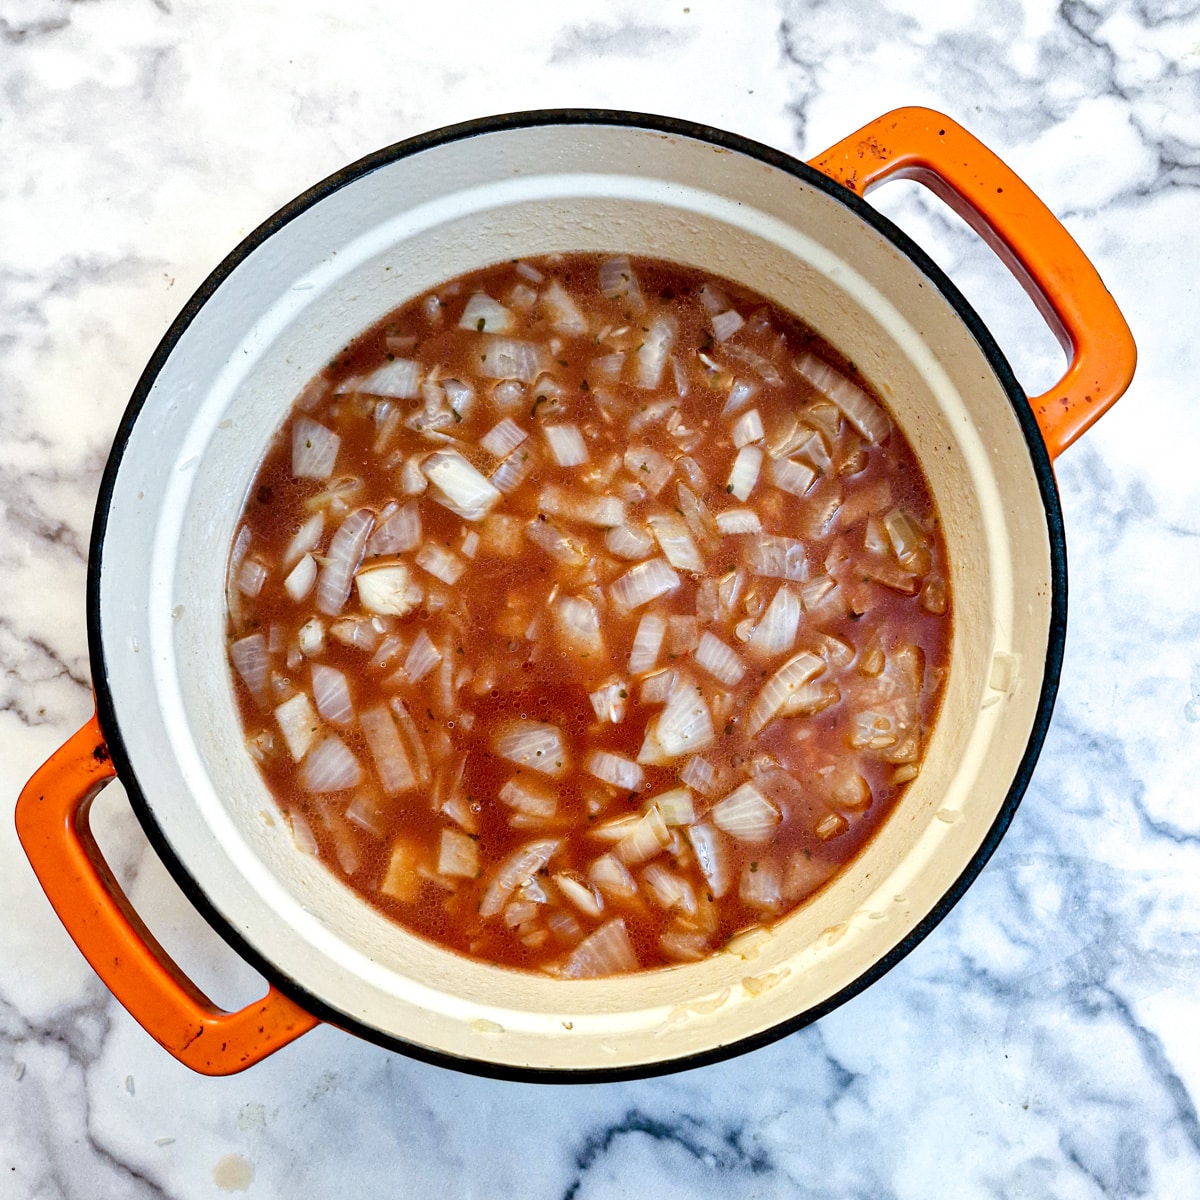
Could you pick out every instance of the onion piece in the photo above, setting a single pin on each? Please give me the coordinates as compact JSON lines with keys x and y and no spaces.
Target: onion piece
{"x":604,"y":512}
{"x":423,"y":656}
{"x":719,"y":660}
{"x":314,"y":449}
{"x":648,"y":838}
{"x":676,"y":806}
{"x":675,"y":540}
{"x":567,"y":446}
{"x":458,"y":486}
{"x":301,"y":578}
{"x":669,"y":889}
{"x":856,"y":406}
{"x":612,"y":877}
{"x":503,"y":438}
{"x":746,"y":814}
{"x":761,"y":886}
{"x":651,"y":469}
{"x":616,"y":769}
{"x":777,"y":557}
{"x":617,"y":280}
{"x":628,"y":542}
{"x":533,"y":744}
{"x":643,"y":583}
{"x":794,"y":673}
{"x":331,"y":694}
{"x":529,"y":797}
{"x":776,"y":631}
{"x":608,"y":951}
{"x":397,"y":532}
{"x":482,"y":313}
{"x":755,"y":361}
{"x":652,"y":354}
{"x":441,"y":563}
{"x":388,"y":589}
{"x":391,"y":759}
{"x":585,"y":897}
{"x":311,"y":637}
{"x":557,"y":544}
{"x":658,"y":686}
{"x":739,"y":520}
{"x":345,"y":552}
{"x":298,"y":724}
{"x":748,"y":428}
{"x":608,"y":702}
{"x":713,"y":858}
{"x":509,"y":358}
{"x":514,"y":470}
{"x":647,"y":641}
{"x":330,"y":767}
{"x":578,"y":626}
{"x":252,"y":663}
{"x":744,"y":473}
{"x":518,"y":868}
{"x":791,"y":476}
{"x":699,"y":775}
{"x":458,"y":855}
{"x":306,"y":538}
{"x":726,"y":324}
{"x":740,"y":394}
{"x":685,"y":725}
{"x":563,"y":312}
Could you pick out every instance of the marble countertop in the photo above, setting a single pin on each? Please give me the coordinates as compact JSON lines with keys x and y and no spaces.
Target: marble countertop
{"x":1041,"y":1042}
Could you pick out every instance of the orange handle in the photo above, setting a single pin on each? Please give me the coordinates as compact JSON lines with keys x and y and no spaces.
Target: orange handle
{"x":52,"y":825}
{"x":917,"y":143}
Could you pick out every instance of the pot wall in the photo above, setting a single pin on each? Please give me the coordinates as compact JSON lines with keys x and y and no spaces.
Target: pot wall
{"x":331,"y":270}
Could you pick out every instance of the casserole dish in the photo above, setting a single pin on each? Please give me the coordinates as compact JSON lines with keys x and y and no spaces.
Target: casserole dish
{"x":332,"y":263}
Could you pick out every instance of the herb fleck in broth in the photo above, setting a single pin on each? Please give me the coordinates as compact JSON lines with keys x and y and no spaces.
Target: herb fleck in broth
{"x":585,"y":612}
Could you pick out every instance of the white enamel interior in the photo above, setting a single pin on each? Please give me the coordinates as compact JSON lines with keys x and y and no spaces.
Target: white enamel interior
{"x":333,"y":270}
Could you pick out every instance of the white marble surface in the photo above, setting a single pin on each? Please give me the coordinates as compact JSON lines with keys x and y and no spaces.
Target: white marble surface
{"x":1042,"y":1041}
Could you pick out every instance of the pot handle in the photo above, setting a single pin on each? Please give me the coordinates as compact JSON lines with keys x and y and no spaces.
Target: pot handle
{"x":52,"y":824}
{"x":920,"y":144}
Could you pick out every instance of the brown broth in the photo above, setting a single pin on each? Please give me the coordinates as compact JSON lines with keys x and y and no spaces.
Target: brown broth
{"x":481,"y":621}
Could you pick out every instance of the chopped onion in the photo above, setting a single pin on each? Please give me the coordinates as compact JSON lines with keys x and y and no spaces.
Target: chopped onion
{"x":699,"y":775}
{"x":856,"y":406}
{"x":458,"y":486}
{"x":306,"y":538}
{"x":557,"y":544}
{"x":739,"y":520}
{"x":460,"y":397}
{"x":391,"y":759}
{"x":609,"y":701}
{"x":605,"y":512}
{"x":514,"y":470}
{"x":585,"y":898}
{"x":719,"y":660}
{"x":616,"y":769}
{"x":252,"y":663}
{"x":298,"y":724}
{"x":397,"y":532}
{"x":628,"y":541}
{"x":740,"y":394}
{"x":503,"y":437}
{"x":755,"y":361}
{"x":608,"y":951}
{"x":726,"y":324}
{"x":423,"y":656}
{"x":529,"y":797}
{"x":311,"y":637}
{"x":302,"y":835}
{"x":746,"y":814}
{"x":412,"y":479}
{"x":331,"y":693}
{"x":761,"y":886}
{"x":612,"y":876}
{"x":658,"y":686}
{"x":578,"y":625}
{"x":651,"y":469}
{"x":412,"y":737}
{"x":482,"y":313}
{"x":744,"y":474}
{"x":669,"y":889}
{"x":458,"y":855}
{"x":810,"y":698}
{"x":712,"y":855}
{"x":676,"y":806}
{"x":643,"y":583}
{"x":251,"y":577}
{"x":441,"y":563}
{"x":794,"y":673}
{"x":314,"y":449}
{"x":777,"y":557}
{"x":748,"y":428}
{"x":345,"y":552}
{"x":566,"y":444}
{"x":366,"y":811}
{"x":518,"y":868}
{"x":652,"y":354}
{"x":402,"y":881}
{"x":563,"y":312}
{"x":400,"y":378}
{"x":685,"y":725}
{"x":617,"y":279}
{"x":646,"y":839}
{"x":330,"y":767}
{"x":675,"y":540}
{"x":647,"y":641}
{"x":776,"y":632}
{"x":359,"y":633}
{"x":508,"y":358}
{"x":791,"y":476}
{"x":533,"y":744}
{"x":301,"y":578}
{"x":388,"y":589}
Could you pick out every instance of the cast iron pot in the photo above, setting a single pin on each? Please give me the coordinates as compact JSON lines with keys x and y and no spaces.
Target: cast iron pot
{"x":329,"y":265}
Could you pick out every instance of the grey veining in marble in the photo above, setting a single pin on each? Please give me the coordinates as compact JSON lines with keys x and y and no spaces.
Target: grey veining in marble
{"x":1041,"y":1042}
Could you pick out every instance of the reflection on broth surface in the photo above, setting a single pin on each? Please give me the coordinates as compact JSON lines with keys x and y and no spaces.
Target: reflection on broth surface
{"x":585,"y":612}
